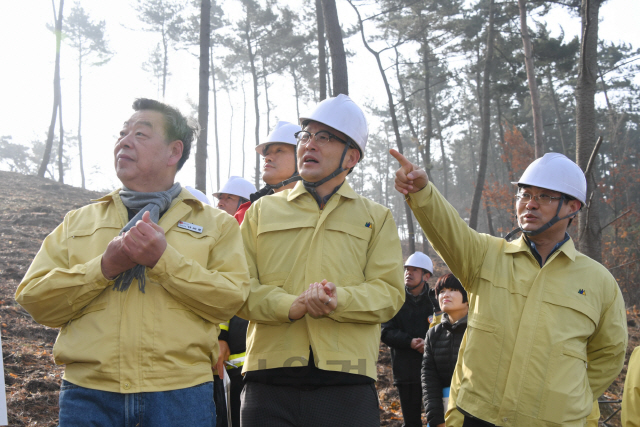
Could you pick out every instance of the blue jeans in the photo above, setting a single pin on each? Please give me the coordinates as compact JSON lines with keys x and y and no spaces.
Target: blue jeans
{"x":188,"y":407}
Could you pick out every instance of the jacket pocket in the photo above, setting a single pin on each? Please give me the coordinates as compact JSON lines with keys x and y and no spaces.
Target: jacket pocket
{"x":345,"y":246}
{"x":567,"y":395}
{"x":87,"y":337}
{"x":483,"y":353}
{"x":192,"y":245}
{"x":181,"y":337}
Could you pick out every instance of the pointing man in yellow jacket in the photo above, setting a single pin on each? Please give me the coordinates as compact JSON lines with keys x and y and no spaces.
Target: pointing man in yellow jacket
{"x":547,"y":327}
{"x":138,"y":282}
{"x":326,"y":270}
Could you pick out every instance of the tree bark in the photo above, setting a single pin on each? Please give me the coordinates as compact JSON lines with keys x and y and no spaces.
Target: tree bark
{"x":538,"y":136}
{"x":80,"y":117}
{"x":322,"y":56}
{"x":336,"y":47}
{"x":588,"y":219}
{"x":254,"y":74}
{"x":394,"y":121}
{"x":486,"y":123}
{"x":428,"y":131}
{"x":556,"y":108}
{"x":215,"y":115}
{"x":46,"y":157}
{"x":203,"y":96}
{"x":60,"y":144}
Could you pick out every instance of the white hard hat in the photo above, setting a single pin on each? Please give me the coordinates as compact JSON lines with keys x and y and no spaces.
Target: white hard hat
{"x":555,"y":171}
{"x":282,"y":133}
{"x":420,"y":260}
{"x":342,"y":114}
{"x":237,"y":186}
{"x":198,"y":195}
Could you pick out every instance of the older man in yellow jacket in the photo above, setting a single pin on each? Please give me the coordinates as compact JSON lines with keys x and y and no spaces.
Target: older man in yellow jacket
{"x":547,"y":325}
{"x":326,"y":270}
{"x":138,"y":282}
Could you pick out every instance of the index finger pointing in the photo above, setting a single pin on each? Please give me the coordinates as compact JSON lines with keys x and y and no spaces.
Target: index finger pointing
{"x":404,"y":163}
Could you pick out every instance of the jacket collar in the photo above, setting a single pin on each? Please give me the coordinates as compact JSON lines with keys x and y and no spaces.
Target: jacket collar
{"x":185,"y":195}
{"x":520,"y":245}
{"x":345,"y":190}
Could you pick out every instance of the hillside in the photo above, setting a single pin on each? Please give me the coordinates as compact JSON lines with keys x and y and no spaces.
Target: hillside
{"x":30,"y":208}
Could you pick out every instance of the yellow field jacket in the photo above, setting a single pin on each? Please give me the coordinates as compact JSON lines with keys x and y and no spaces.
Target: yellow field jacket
{"x":290,"y":243}
{"x":129,"y":342}
{"x":542,"y":342}
{"x":631,"y":394}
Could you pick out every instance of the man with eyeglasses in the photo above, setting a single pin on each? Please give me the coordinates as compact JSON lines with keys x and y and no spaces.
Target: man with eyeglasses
{"x":325,"y":271}
{"x":547,"y":328}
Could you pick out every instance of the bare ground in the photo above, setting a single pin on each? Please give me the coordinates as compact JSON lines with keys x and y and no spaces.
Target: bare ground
{"x":30,"y":208}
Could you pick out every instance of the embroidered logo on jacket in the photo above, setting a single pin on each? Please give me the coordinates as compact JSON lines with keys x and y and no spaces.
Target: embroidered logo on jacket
{"x":368,"y":225}
{"x":582,"y":292}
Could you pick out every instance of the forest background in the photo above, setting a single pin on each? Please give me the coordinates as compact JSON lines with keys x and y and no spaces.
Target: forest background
{"x":445,"y":81}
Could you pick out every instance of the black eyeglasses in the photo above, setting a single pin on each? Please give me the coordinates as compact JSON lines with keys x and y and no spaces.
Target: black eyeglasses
{"x":322,"y":137}
{"x":542,"y":199}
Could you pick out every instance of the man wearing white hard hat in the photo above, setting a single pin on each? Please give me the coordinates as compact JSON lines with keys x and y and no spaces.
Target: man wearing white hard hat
{"x":234,"y":193}
{"x":280,"y":169}
{"x":405,"y":333}
{"x":326,"y":271}
{"x":547,"y":329}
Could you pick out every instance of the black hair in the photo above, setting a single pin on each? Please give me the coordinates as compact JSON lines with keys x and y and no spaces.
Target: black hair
{"x":176,"y":126}
{"x":449,"y":281}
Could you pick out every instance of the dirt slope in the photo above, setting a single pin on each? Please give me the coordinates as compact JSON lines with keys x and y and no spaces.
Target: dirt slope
{"x":30,"y":208}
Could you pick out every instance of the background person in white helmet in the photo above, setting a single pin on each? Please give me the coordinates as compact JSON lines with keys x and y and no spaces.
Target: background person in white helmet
{"x":405,"y":333}
{"x":326,"y":271}
{"x":280,"y":172}
{"x":547,"y":329}
{"x":280,"y":168}
{"x":234,"y":193}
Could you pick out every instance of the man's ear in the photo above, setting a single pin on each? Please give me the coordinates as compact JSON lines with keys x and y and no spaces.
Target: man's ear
{"x":574,"y":205}
{"x":176,"y":152}
{"x":352,"y":158}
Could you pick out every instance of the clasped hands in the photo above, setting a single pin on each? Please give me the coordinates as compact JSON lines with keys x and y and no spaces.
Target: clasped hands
{"x":319,"y":300}
{"x":143,"y":244}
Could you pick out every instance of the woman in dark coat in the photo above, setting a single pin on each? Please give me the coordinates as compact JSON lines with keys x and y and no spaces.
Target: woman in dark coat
{"x":441,"y":347}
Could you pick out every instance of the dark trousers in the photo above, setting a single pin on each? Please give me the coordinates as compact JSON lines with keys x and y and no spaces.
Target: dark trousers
{"x":265,"y":405}
{"x":221,"y":409}
{"x":411,"y":404}
{"x":475,"y":422}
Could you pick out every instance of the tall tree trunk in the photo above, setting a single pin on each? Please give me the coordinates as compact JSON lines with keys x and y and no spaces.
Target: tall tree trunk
{"x":394,"y":121}
{"x":538,"y":136}
{"x":203,"y":95}
{"x":486,"y":123}
{"x":292,"y":69}
{"x":231,"y":135}
{"x":215,"y":115}
{"x":557,"y":110}
{"x":322,"y":56}
{"x":336,"y":47}
{"x":487,"y":208}
{"x":165,"y":60}
{"x":244,"y":121}
{"x":80,"y":116}
{"x":588,"y":219}
{"x":46,"y":157}
{"x":254,"y":74}
{"x":443,"y":154}
{"x":428,"y":131}
{"x":60,"y":145}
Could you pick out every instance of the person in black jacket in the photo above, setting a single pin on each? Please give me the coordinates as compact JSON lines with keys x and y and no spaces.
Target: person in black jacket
{"x":441,"y":347}
{"x":404,"y":334}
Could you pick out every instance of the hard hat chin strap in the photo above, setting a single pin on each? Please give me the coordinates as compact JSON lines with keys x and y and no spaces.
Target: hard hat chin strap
{"x":335,"y":173}
{"x":545,"y":227}
{"x":295,"y":177}
{"x":410,"y":288}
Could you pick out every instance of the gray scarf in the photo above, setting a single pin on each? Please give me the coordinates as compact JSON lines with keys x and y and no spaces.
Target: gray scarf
{"x":155,"y":203}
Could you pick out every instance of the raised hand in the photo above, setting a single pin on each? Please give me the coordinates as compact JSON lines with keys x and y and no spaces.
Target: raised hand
{"x":409,"y":178}
{"x":145,"y":242}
